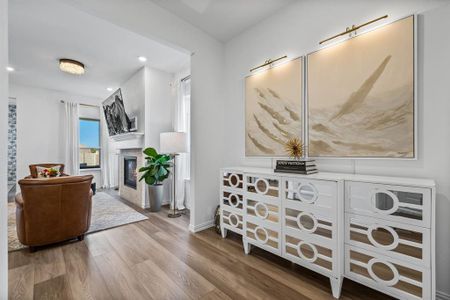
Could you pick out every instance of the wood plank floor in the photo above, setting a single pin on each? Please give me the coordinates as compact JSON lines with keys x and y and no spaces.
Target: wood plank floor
{"x":160,"y":259}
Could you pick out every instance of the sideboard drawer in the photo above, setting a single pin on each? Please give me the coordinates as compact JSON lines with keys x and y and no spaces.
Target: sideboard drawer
{"x":263,"y":234}
{"x":299,"y":223}
{"x":389,"y":275}
{"x":265,"y":186}
{"x":402,"y":241}
{"x":263,"y":211}
{"x":234,"y":180}
{"x":402,"y":204}
{"x":310,"y":254}
{"x":321,"y":194}
{"x":232,"y":221}
{"x":232,"y":200}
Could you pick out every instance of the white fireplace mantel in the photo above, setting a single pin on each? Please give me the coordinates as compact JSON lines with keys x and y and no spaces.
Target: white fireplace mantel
{"x":130,"y":140}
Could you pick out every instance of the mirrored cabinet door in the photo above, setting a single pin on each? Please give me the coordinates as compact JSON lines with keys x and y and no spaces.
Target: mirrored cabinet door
{"x":397,"y":203}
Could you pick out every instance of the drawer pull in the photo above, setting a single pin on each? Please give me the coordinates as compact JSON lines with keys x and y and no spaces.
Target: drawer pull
{"x":302,"y":255}
{"x":262,"y":230}
{"x":384,"y":207}
{"x":373,"y":228}
{"x":234,"y":180}
{"x":395,"y":275}
{"x":307,"y":216}
{"x":261,"y":207}
{"x":232,"y":217}
{"x":307,"y":193}
{"x":233,"y":199}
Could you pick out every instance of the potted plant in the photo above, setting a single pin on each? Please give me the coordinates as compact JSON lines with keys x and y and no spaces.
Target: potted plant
{"x":154,"y":173}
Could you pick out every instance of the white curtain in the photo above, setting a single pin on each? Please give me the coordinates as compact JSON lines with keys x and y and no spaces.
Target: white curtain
{"x":107,"y":178}
{"x":71,"y":138}
{"x":182,"y":124}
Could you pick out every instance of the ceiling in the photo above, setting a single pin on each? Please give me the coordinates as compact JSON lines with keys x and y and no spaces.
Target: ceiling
{"x":223,"y":19}
{"x":41,"y":32}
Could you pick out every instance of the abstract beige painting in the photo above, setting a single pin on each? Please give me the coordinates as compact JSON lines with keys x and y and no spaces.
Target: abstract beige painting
{"x":273,"y":104}
{"x":361,"y":95}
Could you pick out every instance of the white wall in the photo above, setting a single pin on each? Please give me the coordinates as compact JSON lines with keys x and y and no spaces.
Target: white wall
{"x":297,"y":30}
{"x":158,"y":106}
{"x":3,"y":149}
{"x":207,"y":65}
{"x":39,"y":125}
{"x":434,"y":139}
{"x":159,"y":101}
{"x":133,"y":93}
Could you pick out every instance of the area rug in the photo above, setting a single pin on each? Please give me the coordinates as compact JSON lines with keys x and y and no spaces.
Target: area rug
{"x":107,"y":212}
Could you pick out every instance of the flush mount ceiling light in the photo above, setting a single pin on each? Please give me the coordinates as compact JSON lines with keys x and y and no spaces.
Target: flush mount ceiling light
{"x":142,"y":58}
{"x":109,"y":89}
{"x":71,"y":66}
{"x":10,"y":69}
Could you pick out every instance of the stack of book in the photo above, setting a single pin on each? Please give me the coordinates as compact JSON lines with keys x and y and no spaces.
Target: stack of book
{"x":307,"y":166}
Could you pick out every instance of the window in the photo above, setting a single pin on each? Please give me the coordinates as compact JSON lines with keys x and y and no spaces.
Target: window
{"x":89,"y":143}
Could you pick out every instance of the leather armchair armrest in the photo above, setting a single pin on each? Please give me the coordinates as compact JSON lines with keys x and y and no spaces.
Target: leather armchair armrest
{"x":20,"y":221}
{"x":19,"y":200}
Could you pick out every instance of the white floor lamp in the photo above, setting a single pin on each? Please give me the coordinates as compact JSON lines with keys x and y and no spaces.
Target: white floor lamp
{"x":173,"y":143}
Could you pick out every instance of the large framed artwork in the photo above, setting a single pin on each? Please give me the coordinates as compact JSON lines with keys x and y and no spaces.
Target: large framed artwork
{"x":361,"y":95}
{"x":273,"y":108}
{"x":116,"y":118}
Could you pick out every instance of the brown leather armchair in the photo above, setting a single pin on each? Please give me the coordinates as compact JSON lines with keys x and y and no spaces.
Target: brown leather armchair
{"x":53,"y":210}
{"x":33,"y":169}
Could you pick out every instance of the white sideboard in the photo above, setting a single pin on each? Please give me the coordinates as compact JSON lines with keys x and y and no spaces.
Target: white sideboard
{"x":376,"y":230}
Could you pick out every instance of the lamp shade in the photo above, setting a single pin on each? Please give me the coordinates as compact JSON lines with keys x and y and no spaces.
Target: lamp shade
{"x":173,"y":142}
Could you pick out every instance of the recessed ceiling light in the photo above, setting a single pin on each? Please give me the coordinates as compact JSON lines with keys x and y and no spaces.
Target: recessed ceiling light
{"x":71,"y":66}
{"x":142,"y":58}
{"x":109,"y":89}
{"x":10,"y":69}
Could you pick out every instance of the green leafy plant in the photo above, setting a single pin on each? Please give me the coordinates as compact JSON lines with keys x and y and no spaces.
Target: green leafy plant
{"x":157,"y":168}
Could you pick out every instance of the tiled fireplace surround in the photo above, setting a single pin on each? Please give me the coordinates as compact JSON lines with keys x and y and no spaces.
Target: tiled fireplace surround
{"x":135,"y":196}
{"x":131,"y":144}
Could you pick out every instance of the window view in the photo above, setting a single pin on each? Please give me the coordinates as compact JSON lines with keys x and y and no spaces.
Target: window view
{"x":89,"y":143}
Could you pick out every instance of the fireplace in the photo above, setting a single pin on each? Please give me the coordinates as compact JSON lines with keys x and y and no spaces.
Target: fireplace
{"x":130,"y":188}
{"x":130,"y":171}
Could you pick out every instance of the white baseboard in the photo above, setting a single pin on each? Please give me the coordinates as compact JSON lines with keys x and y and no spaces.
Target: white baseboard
{"x":442,"y":296}
{"x":202,"y":226}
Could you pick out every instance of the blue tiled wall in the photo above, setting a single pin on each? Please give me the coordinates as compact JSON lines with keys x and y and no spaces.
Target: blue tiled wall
{"x":12,"y":147}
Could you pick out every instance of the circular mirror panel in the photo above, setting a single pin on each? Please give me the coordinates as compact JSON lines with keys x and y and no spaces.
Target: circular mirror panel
{"x":383,"y":272}
{"x":383,"y":237}
{"x":307,"y":251}
{"x":234,"y":180}
{"x":307,"y":193}
{"x":307,"y":222}
{"x":261,"y":235}
{"x":234,"y":200}
{"x":234,"y":220}
{"x":261,"y":210}
{"x":262,"y":186}
{"x":385,"y":202}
